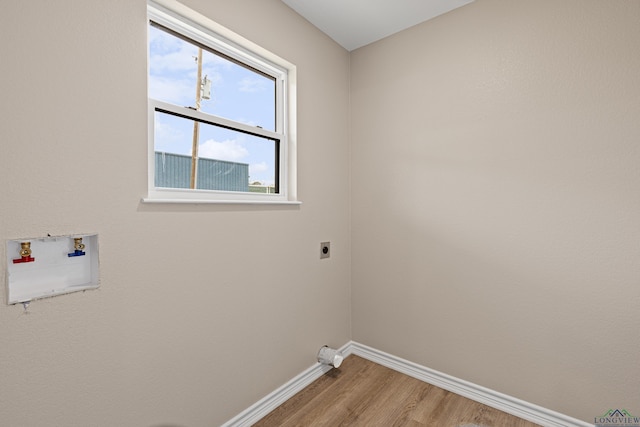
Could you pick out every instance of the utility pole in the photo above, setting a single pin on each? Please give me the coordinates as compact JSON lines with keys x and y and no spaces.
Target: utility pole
{"x":196,"y":124}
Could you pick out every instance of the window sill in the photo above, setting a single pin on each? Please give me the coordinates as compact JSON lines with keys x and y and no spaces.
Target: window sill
{"x":221,"y":202}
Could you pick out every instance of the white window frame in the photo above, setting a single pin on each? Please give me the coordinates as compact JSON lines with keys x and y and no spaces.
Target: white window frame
{"x":178,"y":18}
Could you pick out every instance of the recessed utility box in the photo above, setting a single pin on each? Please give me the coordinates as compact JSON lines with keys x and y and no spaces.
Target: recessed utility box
{"x":49,"y":266}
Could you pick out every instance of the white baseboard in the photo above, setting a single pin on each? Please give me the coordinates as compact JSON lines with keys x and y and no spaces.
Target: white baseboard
{"x":494,"y":399}
{"x":260,"y":409}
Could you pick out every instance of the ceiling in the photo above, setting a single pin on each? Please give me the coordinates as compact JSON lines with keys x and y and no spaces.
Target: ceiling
{"x":355,"y":23}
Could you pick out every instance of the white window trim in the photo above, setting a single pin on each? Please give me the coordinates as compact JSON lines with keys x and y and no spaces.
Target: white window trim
{"x":176,"y":16}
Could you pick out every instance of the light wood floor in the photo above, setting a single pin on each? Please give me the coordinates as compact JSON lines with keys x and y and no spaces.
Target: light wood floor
{"x":363,"y":393}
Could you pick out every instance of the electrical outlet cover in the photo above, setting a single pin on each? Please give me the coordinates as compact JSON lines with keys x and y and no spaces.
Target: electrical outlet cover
{"x":325,"y":249}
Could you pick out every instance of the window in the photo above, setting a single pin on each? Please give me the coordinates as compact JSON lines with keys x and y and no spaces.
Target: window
{"x":220,"y":122}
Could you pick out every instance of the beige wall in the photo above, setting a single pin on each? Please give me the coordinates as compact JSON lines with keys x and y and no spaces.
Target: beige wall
{"x":494,"y":214}
{"x":202,"y":310}
{"x":495,"y":183}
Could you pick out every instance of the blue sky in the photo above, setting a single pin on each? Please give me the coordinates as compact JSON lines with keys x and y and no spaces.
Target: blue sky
{"x":237,"y":93}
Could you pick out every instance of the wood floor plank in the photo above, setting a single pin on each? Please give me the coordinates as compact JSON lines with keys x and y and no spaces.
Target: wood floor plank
{"x":430,"y":400}
{"x":362,"y":393}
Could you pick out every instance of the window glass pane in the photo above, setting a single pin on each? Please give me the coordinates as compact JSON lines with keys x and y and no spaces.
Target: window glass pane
{"x":226,"y":159}
{"x":236,"y":92}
